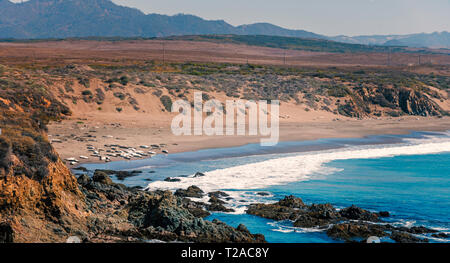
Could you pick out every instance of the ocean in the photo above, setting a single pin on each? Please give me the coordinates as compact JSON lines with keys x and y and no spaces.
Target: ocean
{"x":407,"y":175}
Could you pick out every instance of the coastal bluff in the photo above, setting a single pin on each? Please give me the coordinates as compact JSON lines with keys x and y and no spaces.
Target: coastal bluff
{"x":42,"y":201}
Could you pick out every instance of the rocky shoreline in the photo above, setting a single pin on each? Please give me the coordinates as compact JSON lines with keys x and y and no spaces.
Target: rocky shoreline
{"x":352,"y":224}
{"x":123,"y":214}
{"x":173,"y":216}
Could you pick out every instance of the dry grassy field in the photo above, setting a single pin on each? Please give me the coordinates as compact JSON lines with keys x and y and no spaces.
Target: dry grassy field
{"x":82,"y":51}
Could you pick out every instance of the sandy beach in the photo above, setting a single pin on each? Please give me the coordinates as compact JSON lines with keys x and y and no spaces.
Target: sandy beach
{"x":134,"y":133}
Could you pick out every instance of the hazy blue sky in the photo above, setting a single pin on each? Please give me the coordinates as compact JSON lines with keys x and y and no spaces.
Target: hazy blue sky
{"x":330,"y":17}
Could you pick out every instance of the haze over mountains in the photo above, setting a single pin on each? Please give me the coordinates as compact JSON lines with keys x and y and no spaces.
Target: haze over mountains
{"x":102,"y":18}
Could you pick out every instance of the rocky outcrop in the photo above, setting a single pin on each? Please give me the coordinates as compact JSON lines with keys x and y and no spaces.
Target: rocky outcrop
{"x":319,"y":215}
{"x":191,"y":191}
{"x":6,"y":233}
{"x":121,"y":175}
{"x":349,"y":224}
{"x":39,"y":197}
{"x":403,"y":237}
{"x":356,"y":213}
{"x":123,"y":214}
{"x":407,"y":100}
{"x":217,"y":205}
{"x":161,"y":215}
{"x":282,"y":210}
{"x":350,"y":231}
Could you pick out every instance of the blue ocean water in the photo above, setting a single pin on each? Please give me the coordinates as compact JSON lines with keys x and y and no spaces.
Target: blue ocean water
{"x":415,"y":189}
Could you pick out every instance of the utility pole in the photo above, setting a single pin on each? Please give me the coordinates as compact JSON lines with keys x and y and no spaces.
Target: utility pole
{"x":389,"y":57}
{"x":164,"y":52}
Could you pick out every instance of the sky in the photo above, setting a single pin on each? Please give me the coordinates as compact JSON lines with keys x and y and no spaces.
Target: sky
{"x":328,"y":17}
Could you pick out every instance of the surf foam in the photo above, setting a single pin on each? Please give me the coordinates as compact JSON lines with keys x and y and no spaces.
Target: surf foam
{"x":296,"y":168}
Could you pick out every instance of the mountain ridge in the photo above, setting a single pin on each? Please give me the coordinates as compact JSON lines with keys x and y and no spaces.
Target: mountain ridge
{"x":36,"y":19}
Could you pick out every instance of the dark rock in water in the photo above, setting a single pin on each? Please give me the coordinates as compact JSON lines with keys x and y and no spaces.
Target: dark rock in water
{"x":101,"y":177}
{"x":317,"y":216}
{"x":198,"y":174}
{"x":121,"y":175}
{"x":217,"y":207}
{"x":293,"y":208}
{"x":356,"y":213}
{"x":218,"y":194}
{"x":263,"y":194}
{"x":215,"y":200}
{"x":151,"y":172}
{"x":384,"y":214}
{"x":81,"y":168}
{"x":349,"y":231}
{"x":6,"y":233}
{"x":291,"y":202}
{"x":160,"y":215}
{"x":272,"y":211}
{"x":323,"y":211}
{"x":172,"y":180}
{"x":402,"y":237}
{"x":84,"y":179}
{"x":243,"y":228}
{"x":421,"y":230}
{"x":191,"y":191}
{"x":417,"y":230}
{"x":440,"y":235}
{"x":350,"y":224}
{"x":307,"y":221}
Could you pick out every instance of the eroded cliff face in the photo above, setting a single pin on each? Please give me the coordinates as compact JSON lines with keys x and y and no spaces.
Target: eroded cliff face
{"x":37,"y":210}
{"x":391,"y":101}
{"x":39,"y":197}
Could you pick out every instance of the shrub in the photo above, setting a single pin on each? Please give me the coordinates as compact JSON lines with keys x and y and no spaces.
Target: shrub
{"x":84,"y":81}
{"x":167,"y":102}
{"x":86,"y":93}
{"x":100,"y":96}
{"x":157,"y":93}
{"x":394,"y":113}
{"x":338,"y":91}
{"x":124,"y":80}
{"x":68,"y":86}
{"x":119,"y":95}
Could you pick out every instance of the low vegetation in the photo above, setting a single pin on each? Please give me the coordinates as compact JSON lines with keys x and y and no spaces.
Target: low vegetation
{"x":315,"y":45}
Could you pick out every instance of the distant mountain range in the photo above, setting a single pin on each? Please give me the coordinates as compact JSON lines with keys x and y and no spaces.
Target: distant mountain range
{"x":432,"y":40}
{"x":102,"y":18}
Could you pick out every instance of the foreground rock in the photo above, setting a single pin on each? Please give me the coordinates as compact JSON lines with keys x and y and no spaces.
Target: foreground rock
{"x":215,"y":203}
{"x":191,"y":191}
{"x":350,"y":224}
{"x":353,"y":230}
{"x":121,"y":175}
{"x":133,"y":215}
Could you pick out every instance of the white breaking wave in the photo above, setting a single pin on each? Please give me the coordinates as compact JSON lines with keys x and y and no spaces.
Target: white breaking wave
{"x":296,"y":168}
